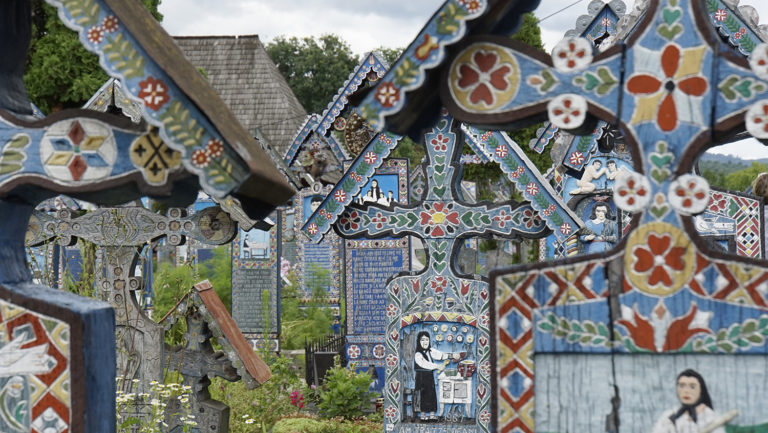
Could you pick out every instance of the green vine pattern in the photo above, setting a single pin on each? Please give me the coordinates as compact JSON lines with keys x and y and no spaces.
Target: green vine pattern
{"x":449,"y":20}
{"x":586,"y":333}
{"x":661,"y":160}
{"x":12,"y":159}
{"x":544,"y":82}
{"x":670,"y":28}
{"x":739,"y":336}
{"x":177,"y":121}
{"x":602,"y":82}
{"x":732,"y":25}
{"x":734,"y":88}
{"x":85,"y":12}
{"x":125,"y":58}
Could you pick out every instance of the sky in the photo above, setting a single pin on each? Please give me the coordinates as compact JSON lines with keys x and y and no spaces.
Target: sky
{"x":369,"y":24}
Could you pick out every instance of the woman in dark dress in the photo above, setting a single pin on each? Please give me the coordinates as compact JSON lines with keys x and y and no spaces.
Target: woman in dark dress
{"x":424,"y":365}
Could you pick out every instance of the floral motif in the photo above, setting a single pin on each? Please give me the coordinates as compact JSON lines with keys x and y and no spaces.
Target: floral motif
{"x":340,"y":123}
{"x":756,"y":119}
{"x":340,"y":196}
{"x":484,"y":76}
{"x":353,"y":351}
{"x":502,"y":218}
{"x":632,"y":192}
{"x":531,"y":219}
{"x":379,"y":220}
{"x":370,"y":157}
{"x":758,"y":61}
{"x":200,"y":158}
{"x":440,"y":142}
{"x":312,"y":229}
{"x":485,"y":416}
{"x":576,"y":158}
{"x":378,"y":351}
{"x":390,"y":412}
{"x":721,"y":15}
{"x":661,"y":332}
{"x":438,"y":284}
{"x":658,"y":259}
{"x":502,"y":151}
{"x":689,"y":194}
{"x":682,"y":80}
{"x":356,"y":177}
{"x":392,"y":310}
{"x":95,"y":34}
{"x":520,"y":170}
{"x":350,"y":220}
{"x":532,"y":189}
{"x":718,"y":202}
{"x":439,"y":219}
{"x":567,"y":111}
{"x":391,"y":360}
{"x":110,"y":24}
{"x":153,"y":92}
{"x":572,"y":54}
{"x":214,"y":147}
{"x":471,"y":5}
{"x":565,"y":229}
{"x":387,"y":94}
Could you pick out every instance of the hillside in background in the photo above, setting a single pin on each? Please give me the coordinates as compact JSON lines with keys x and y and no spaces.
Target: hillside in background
{"x":731,"y":172}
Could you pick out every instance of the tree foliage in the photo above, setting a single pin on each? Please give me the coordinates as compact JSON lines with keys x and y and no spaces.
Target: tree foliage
{"x":218,"y":271}
{"x":59,"y":72}
{"x":313,"y":68}
{"x":742,"y":179}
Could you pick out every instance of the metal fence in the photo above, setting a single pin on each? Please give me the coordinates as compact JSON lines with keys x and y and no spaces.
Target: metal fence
{"x":319,"y":356}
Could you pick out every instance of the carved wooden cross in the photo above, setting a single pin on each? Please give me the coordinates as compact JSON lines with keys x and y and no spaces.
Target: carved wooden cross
{"x":120,"y":234}
{"x":674,"y":89}
{"x":439,"y":294}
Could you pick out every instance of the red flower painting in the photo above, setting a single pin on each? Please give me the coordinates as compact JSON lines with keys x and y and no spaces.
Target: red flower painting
{"x":659,"y":259}
{"x":484,"y":76}
{"x":649,"y":85}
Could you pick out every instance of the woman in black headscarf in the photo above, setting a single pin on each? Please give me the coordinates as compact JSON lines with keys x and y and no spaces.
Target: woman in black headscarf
{"x":424,"y":365}
{"x":696,"y":413}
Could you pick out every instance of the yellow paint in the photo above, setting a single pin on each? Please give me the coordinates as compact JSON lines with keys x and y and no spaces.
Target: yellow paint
{"x":639,"y":239}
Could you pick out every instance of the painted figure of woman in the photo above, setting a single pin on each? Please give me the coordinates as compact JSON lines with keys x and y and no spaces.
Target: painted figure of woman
{"x":601,"y":234}
{"x":696,"y":414}
{"x":425,"y":366}
{"x":374,"y":194}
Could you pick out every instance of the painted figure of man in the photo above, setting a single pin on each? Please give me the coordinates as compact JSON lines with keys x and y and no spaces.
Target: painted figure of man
{"x":591,"y":173}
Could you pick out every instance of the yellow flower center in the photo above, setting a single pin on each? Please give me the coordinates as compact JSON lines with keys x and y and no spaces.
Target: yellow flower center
{"x":438,"y":217}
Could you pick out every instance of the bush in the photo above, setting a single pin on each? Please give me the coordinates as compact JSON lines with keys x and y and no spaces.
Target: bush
{"x":334,"y":425}
{"x":344,"y":392}
{"x":259,"y":409}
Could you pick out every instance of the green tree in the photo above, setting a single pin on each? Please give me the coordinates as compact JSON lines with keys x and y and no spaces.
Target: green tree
{"x":390,"y":55}
{"x":218,"y":271}
{"x":170,"y":284}
{"x":60,"y":73}
{"x":313,"y":68}
{"x":742,"y":179}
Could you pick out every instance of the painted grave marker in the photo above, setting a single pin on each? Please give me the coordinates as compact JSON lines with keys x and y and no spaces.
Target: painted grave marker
{"x":369,"y":264}
{"x":256,"y":278}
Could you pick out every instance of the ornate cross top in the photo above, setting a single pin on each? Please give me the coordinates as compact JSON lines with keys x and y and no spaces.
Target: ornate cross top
{"x":438,"y":298}
{"x":441,"y":218}
{"x":671,"y":87}
{"x":120,"y":233}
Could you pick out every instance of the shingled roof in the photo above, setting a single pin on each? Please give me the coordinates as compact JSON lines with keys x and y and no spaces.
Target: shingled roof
{"x":241,"y":72}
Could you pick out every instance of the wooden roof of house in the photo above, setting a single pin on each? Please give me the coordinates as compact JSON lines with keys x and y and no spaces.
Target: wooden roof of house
{"x":243,"y":74}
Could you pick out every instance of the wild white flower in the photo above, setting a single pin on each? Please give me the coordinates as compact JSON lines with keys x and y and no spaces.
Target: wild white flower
{"x":250,"y":421}
{"x":155,"y":402}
